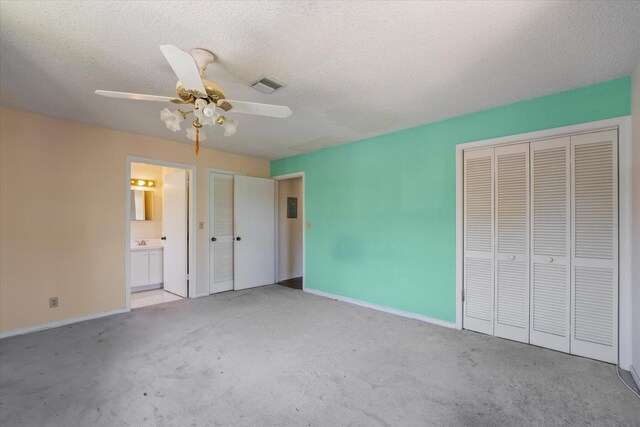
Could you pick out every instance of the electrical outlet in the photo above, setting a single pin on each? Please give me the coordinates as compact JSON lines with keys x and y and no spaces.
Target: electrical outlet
{"x":53,"y":302}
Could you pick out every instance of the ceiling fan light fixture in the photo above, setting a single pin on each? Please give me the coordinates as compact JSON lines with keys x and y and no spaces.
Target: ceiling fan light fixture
{"x":192,"y":131}
{"x":230,"y":127}
{"x":172,"y":119}
{"x":205,"y":113}
{"x":205,"y":95}
{"x":208,"y":112}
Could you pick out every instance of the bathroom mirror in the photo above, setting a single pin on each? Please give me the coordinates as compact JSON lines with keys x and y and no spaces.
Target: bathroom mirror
{"x":141,"y":205}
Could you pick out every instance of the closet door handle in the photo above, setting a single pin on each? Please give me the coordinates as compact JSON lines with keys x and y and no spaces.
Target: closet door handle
{"x":213,"y":239}
{"x":549,"y":259}
{"x":238,"y":238}
{"x":163,"y":238}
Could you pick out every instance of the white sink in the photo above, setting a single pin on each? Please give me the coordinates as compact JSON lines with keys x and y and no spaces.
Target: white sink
{"x":143,"y":247}
{"x":150,"y":244}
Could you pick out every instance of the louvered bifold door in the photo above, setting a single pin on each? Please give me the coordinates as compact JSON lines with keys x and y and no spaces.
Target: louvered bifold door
{"x":512,"y":242}
{"x":221,"y":232}
{"x":478,"y":240}
{"x":594,"y":278}
{"x":550,"y":244}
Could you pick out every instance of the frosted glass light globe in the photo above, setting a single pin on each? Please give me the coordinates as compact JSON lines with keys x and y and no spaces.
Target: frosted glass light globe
{"x":208,"y":112}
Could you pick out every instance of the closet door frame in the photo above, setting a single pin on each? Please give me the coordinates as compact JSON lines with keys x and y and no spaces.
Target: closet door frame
{"x":623,"y":125}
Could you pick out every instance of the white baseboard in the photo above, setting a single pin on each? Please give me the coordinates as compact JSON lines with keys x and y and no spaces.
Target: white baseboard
{"x":58,"y":323}
{"x":390,"y":310}
{"x":634,"y":375}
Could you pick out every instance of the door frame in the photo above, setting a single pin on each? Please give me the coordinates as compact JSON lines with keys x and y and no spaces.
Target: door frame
{"x":623,"y":125}
{"x":191,"y":171}
{"x":304,"y":226}
{"x":209,"y":226}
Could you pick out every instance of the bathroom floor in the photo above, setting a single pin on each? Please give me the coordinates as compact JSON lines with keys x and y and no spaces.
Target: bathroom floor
{"x":153,"y":297}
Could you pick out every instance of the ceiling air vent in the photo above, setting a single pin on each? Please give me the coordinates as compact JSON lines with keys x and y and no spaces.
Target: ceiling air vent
{"x":267,"y":85}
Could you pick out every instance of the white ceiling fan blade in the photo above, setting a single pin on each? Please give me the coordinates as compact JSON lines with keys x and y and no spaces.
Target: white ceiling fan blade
{"x":137,"y":96}
{"x":279,"y":111}
{"x":185,"y":68}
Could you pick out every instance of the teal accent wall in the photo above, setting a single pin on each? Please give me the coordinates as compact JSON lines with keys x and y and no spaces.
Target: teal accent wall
{"x":383,"y":209}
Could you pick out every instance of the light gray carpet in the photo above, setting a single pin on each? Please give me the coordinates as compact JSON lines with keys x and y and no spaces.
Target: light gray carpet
{"x":278,"y":356}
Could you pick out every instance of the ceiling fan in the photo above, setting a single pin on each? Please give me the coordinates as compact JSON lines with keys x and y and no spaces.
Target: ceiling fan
{"x":205,"y":96}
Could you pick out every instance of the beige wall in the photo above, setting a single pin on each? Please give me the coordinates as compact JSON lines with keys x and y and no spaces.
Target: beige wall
{"x":62,"y":219}
{"x":289,"y":231}
{"x":635,"y":219}
{"x":151,"y":229}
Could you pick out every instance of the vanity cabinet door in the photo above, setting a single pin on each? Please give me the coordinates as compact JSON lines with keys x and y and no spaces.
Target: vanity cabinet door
{"x":155,"y":267}
{"x":139,"y":268}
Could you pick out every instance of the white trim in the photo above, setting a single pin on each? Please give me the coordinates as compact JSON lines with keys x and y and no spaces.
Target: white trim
{"x":304,"y":225}
{"x":634,"y":375}
{"x":624,"y":244}
{"x":384,"y":309}
{"x":623,"y":124}
{"x":459,"y":236}
{"x":546,"y":133}
{"x":58,"y":323}
{"x":193,"y":226}
{"x":208,"y":222}
{"x":228,"y":172}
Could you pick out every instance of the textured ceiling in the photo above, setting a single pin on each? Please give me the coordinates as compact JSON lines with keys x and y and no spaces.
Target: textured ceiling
{"x":353,"y":69}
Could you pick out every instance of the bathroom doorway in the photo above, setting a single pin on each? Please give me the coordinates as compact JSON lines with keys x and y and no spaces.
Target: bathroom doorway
{"x":290,"y":230}
{"x":159,"y":223}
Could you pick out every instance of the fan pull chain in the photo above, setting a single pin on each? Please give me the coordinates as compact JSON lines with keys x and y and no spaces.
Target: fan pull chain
{"x":197,"y":140}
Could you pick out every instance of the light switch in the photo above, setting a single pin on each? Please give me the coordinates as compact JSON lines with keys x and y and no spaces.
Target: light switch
{"x":201,"y":225}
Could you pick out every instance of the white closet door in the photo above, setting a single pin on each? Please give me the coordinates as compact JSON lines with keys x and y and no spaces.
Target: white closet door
{"x":512,"y":242}
{"x":594,"y":278}
{"x":221,"y":232}
{"x":550,"y":243}
{"x":254,"y":222}
{"x":478,"y":240}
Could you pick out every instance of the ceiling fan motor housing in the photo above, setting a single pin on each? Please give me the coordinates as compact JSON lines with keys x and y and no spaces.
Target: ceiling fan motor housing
{"x":215,"y":92}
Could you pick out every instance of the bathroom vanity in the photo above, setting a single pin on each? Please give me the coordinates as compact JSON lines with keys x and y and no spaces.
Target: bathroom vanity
{"x":146,"y":267}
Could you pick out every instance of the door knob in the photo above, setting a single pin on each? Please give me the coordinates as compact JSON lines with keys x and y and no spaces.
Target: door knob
{"x":512,"y":257}
{"x":213,"y":239}
{"x":238,"y":239}
{"x":163,"y":238}
{"x":549,"y":259}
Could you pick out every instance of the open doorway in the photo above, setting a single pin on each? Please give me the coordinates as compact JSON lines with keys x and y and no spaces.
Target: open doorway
{"x":159,"y":254}
{"x":290,"y":247}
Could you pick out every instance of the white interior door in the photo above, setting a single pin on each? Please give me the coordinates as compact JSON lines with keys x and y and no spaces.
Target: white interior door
{"x":550,"y":243}
{"x":478,"y":241}
{"x":512,"y":242}
{"x":254,"y":222}
{"x":221,"y":232}
{"x":174,"y":225}
{"x":594,"y":278}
